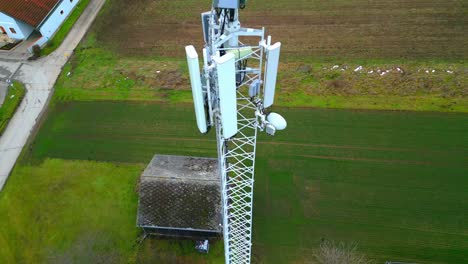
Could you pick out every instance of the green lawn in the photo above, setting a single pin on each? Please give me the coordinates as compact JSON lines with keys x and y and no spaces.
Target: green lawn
{"x":394,"y":182}
{"x":13,"y":99}
{"x":68,"y":211}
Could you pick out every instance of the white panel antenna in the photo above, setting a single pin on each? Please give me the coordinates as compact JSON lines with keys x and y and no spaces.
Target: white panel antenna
{"x":231,"y":90}
{"x":197,"y":91}
{"x":226,"y":71}
{"x":271,"y":71}
{"x":205,"y":17}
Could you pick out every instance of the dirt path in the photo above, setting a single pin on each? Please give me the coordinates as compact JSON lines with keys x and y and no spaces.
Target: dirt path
{"x":39,"y":78}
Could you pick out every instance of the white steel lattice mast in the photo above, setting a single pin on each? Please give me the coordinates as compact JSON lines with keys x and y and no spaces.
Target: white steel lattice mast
{"x":232,"y":94}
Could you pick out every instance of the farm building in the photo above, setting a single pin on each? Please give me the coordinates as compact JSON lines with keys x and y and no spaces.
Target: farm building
{"x":20,"y":18}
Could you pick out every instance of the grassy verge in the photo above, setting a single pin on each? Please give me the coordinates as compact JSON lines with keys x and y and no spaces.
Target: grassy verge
{"x":60,"y":35}
{"x":352,"y":176}
{"x":12,"y":100}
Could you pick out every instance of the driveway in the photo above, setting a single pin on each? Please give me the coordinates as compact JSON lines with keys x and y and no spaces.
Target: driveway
{"x":39,"y":78}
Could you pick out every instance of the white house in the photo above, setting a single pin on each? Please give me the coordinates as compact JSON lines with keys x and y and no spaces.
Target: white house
{"x":19,"y":18}
{"x":14,"y":28}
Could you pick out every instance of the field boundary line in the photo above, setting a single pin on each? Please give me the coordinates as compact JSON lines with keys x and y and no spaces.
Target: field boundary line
{"x":414,"y":162}
{"x":356,"y":147}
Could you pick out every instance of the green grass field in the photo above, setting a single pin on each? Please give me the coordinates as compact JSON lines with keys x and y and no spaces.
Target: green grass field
{"x":394,"y":182}
{"x":70,"y":211}
{"x":12,"y":100}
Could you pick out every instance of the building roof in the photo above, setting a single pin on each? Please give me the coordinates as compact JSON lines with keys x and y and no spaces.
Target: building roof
{"x":32,"y":12}
{"x":180,"y":193}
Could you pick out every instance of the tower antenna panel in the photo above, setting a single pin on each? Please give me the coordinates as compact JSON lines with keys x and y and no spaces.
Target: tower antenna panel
{"x":232,"y":80}
{"x":205,"y":17}
{"x":271,"y":72}
{"x":226,"y":75}
{"x":197,"y":90}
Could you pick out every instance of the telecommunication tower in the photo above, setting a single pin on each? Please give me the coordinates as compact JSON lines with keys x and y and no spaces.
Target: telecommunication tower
{"x":232,"y":93}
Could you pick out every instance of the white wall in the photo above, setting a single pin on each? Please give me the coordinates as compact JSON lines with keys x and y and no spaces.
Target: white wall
{"x":22,"y":29}
{"x":55,"y":20}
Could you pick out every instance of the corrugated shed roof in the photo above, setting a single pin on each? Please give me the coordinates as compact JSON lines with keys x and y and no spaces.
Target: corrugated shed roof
{"x":29,"y":11}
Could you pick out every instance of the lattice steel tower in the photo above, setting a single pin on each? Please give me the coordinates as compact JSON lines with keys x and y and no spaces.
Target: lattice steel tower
{"x":233,"y":93}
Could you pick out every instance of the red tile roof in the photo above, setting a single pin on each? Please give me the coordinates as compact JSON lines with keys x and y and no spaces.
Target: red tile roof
{"x":29,"y":11}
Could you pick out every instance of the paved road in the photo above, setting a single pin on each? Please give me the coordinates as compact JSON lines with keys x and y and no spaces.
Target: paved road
{"x":3,"y":90}
{"x":7,"y":70}
{"x":39,"y":78}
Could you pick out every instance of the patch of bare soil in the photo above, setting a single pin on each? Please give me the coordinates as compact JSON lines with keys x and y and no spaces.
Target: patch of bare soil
{"x":350,"y":29}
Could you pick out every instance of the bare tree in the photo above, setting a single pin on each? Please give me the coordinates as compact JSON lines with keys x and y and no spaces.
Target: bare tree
{"x":330,"y":252}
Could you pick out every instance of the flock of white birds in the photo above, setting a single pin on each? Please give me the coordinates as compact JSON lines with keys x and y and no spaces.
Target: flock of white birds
{"x":381,"y":72}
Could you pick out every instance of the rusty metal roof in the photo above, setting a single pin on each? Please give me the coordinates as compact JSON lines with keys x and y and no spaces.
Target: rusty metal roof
{"x":32,"y":12}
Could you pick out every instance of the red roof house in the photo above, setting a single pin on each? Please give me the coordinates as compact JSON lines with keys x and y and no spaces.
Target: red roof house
{"x":19,"y":18}
{"x":32,"y":12}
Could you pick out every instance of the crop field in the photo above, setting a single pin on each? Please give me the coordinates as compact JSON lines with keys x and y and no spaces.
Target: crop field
{"x":403,"y":55}
{"x":359,"y":29}
{"x":394,"y":182}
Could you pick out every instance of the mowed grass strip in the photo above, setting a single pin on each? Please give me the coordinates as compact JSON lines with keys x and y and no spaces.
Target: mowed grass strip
{"x":394,"y":182}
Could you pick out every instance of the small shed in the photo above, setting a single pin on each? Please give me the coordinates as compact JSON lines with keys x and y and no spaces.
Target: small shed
{"x":180,"y":196}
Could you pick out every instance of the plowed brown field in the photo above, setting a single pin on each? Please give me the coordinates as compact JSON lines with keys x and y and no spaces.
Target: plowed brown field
{"x":429,"y":29}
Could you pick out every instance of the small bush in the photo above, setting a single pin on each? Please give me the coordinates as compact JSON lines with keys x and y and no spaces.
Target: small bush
{"x":37,"y":51}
